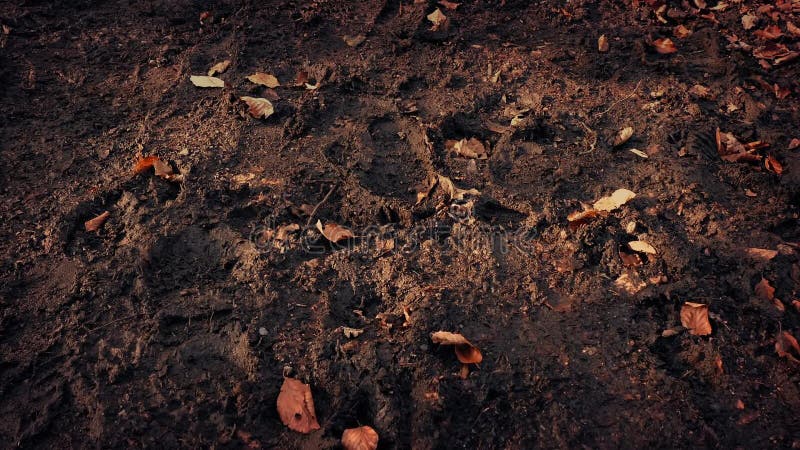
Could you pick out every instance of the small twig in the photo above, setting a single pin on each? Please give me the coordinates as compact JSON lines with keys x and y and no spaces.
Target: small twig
{"x":628,"y":97}
{"x":115,"y":321}
{"x":324,"y":199}
{"x":594,"y":138}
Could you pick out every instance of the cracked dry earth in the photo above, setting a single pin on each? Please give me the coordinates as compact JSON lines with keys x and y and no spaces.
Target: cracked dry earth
{"x":174,"y":324}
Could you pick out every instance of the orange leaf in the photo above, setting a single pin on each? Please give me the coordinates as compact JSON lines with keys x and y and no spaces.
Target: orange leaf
{"x":765,"y":291}
{"x":258,"y":107}
{"x":449,"y":5}
{"x":784,"y":345}
{"x":264,"y":79}
{"x":465,"y":351}
{"x":296,"y":406}
{"x":795,"y":143}
{"x":664,"y":46}
{"x":97,"y":222}
{"x":694,"y":316}
{"x":334,"y":232}
{"x":143,"y":164}
{"x":681,"y":32}
{"x":361,"y":438}
{"x":773,"y":165}
{"x":769,"y":33}
{"x":762,"y":254}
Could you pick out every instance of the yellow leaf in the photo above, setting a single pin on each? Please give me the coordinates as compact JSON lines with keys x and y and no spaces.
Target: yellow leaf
{"x":617,"y":199}
{"x":206,"y":82}
{"x":219,"y":67}
{"x":259,"y":107}
{"x":264,"y":79}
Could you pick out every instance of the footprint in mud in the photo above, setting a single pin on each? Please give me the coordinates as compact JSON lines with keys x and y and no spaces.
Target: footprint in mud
{"x":396,"y":166}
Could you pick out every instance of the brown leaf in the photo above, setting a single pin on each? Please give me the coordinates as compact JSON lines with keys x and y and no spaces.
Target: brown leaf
{"x":792,"y":28}
{"x":602,"y":44}
{"x":664,"y":46}
{"x":630,"y":283}
{"x":465,"y":351}
{"x":449,"y":5}
{"x":579,"y":218}
{"x":765,"y":291}
{"x":769,"y":33}
{"x":701,"y":91}
{"x":361,"y":438}
{"x":694,"y":316}
{"x":771,"y":51}
{"x":795,"y":143}
{"x":681,"y":32}
{"x":219,"y":67}
{"x":470,"y":148}
{"x":630,"y":259}
{"x":785,"y":345}
{"x":437,"y":18}
{"x":761,"y":254}
{"x":296,"y":406}
{"x":781,"y":92}
{"x":452,"y":191}
{"x":258,"y":107}
{"x":617,"y":199}
{"x":772,"y":164}
{"x":206,"y":82}
{"x":333,"y":232}
{"x":354,"y":41}
{"x":143,"y":164}
{"x":623,"y":136}
{"x":749,"y":21}
{"x":97,"y":222}
{"x":264,"y":79}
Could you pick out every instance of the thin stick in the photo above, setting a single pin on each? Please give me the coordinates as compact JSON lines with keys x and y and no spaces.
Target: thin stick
{"x":600,"y":114}
{"x":324,"y":199}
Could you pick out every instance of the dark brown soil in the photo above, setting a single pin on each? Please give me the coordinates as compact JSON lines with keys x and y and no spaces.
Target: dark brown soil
{"x":174,"y":324}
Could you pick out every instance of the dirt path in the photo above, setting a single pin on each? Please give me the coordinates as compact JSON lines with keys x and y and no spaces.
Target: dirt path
{"x":174,"y":324}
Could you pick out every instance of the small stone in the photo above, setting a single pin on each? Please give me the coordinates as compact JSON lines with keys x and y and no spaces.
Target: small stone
{"x":630,"y":228}
{"x":423,"y":347}
{"x":262,"y":331}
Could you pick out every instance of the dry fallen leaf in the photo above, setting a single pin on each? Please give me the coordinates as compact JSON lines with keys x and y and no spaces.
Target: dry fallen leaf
{"x":772,"y":164}
{"x":638,"y":152}
{"x":785,"y":345}
{"x":623,"y":136}
{"x":769,"y":33}
{"x":793,"y":144}
{"x":219,"y":67}
{"x":354,"y":41}
{"x":630,"y":283}
{"x":161,"y":168}
{"x":333,"y":232}
{"x":664,"y":46}
{"x":698,"y":90}
{"x":296,"y":406}
{"x":437,"y":18}
{"x":452,"y":191}
{"x":749,"y":21}
{"x":761,"y":254}
{"x":681,"y":32}
{"x":470,"y":148}
{"x":143,"y":164}
{"x":264,"y":79}
{"x":617,"y":199}
{"x":602,"y":44}
{"x":97,"y":222}
{"x":731,"y":150}
{"x":351,"y":333}
{"x":206,"y":82}
{"x":449,"y":5}
{"x":579,"y":218}
{"x":642,"y":246}
{"x":465,"y":351}
{"x":781,"y":92}
{"x":792,"y":28}
{"x":765,"y":291}
{"x":361,"y":438}
{"x":258,"y":107}
{"x":694,"y":316}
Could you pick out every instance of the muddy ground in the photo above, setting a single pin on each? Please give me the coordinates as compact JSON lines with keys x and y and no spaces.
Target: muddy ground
{"x":174,"y":324}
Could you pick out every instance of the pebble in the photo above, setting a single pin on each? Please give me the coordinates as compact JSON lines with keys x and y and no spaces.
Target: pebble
{"x":262,"y":331}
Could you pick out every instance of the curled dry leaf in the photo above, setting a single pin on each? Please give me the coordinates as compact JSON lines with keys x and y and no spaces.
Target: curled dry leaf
{"x":219,"y":67}
{"x":470,"y":148}
{"x":765,"y":291}
{"x":97,"y":222}
{"x":623,"y":136}
{"x":769,"y":33}
{"x":785,"y":345}
{"x":143,"y":164}
{"x":296,"y":406}
{"x":602,"y":44}
{"x":437,"y":18}
{"x":772,"y":164}
{"x":465,"y":351}
{"x":794,"y":143}
{"x":761,"y":254}
{"x":694,"y":316}
{"x":579,"y":218}
{"x":638,"y":153}
{"x":206,"y":82}
{"x":731,"y":150}
{"x":258,"y":107}
{"x":449,"y":5}
{"x":681,"y":32}
{"x":664,"y":46}
{"x":642,"y":246}
{"x":162,"y":169}
{"x":354,"y":41}
{"x":333,"y":232}
{"x":264,"y":79}
{"x":617,"y":199}
{"x":792,"y":28}
{"x":361,"y":438}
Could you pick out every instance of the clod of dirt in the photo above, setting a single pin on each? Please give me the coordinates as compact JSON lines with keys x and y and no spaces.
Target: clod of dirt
{"x":264,"y":79}
{"x":694,"y":316}
{"x":333,"y":232}
{"x":258,"y":107}
{"x":630,"y":283}
{"x":465,"y":351}
{"x":97,"y":222}
{"x":219,"y":67}
{"x":206,"y":82}
{"x":786,"y":345}
{"x":361,"y":438}
{"x":354,"y":41}
{"x":470,"y":148}
{"x":296,"y":406}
